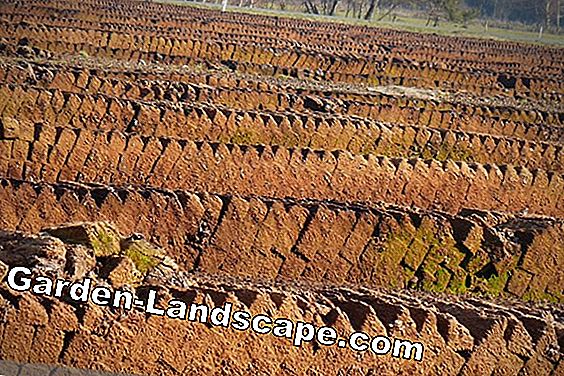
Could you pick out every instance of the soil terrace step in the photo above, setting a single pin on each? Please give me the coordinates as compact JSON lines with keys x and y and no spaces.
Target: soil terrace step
{"x":465,"y":336}
{"x":368,"y":179}
{"x":102,"y":157}
{"x":323,"y":241}
{"x":256,"y":58}
{"x":397,"y":104}
{"x":314,"y":35}
{"x":27,"y":110}
{"x":79,"y":70}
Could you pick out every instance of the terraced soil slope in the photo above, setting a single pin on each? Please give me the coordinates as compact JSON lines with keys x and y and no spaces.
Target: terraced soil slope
{"x":370,"y":179}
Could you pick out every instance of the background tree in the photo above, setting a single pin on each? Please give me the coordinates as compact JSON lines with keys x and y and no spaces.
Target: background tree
{"x":326,"y":7}
{"x":390,"y":6}
{"x":525,"y":13}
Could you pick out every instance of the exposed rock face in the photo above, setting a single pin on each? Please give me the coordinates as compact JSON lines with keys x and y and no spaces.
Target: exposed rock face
{"x":74,"y":251}
{"x":99,"y":236}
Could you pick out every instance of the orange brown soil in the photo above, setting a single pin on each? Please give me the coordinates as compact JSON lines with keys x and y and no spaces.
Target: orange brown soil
{"x":466,"y":336}
{"x":339,"y":174}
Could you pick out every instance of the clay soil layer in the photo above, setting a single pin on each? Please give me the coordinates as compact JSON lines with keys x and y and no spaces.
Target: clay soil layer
{"x":399,"y":184}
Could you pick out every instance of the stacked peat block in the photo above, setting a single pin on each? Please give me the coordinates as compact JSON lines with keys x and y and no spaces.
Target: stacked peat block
{"x":367,"y":179}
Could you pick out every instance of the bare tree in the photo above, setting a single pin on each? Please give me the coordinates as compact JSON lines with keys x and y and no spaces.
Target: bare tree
{"x":311,"y":7}
{"x":374,"y":4}
{"x":333,"y":7}
{"x":328,"y":7}
{"x":558,"y":16}
{"x":390,"y":4}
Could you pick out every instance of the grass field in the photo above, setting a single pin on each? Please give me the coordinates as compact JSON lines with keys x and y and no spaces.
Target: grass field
{"x":403,"y":22}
